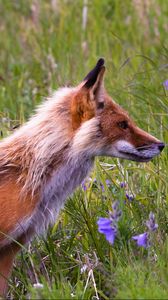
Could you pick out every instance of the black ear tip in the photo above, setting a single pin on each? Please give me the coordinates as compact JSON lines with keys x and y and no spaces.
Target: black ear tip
{"x":100,"y":62}
{"x":92,"y":75}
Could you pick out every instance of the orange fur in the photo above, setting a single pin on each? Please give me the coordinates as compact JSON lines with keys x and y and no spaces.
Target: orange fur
{"x":111,"y":116}
{"x":7,"y":256}
{"x":13,"y":209}
{"x":82,"y":109}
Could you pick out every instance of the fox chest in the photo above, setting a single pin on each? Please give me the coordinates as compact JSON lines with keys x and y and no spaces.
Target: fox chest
{"x":60,"y":186}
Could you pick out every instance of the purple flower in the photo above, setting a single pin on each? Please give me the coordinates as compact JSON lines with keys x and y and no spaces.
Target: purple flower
{"x":108,"y":226}
{"x":102,"y":187}
{"x":116,"y":213}
{"x":130,"y":197}
{"x":123,"y":184}
{"x":105,"y":226}
{"x":141,"y":239}
{"x":86,"y":183}
{"x":165,"y":83}
{"x":83,"y":185}
{"x":108,"y":182}
{"x":94,"y":180}
{"x":144,"y":239}
{"x":152,"y":226}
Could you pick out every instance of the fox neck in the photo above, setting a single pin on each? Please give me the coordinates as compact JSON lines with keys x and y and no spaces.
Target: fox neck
{"x":66,"y":172}
{"x":61,"y":185}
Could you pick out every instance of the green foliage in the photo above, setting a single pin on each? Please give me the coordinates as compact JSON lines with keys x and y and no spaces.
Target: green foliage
{"x":43,"y":46}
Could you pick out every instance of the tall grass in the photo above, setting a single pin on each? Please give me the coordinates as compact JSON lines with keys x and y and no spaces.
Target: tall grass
{"x":46,"y":44}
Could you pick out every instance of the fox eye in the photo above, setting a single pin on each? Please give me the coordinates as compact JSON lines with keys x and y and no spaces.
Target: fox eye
{"x":123,"y":124}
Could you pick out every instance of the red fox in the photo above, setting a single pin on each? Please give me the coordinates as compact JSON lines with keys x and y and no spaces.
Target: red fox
{"x":43,"y":161}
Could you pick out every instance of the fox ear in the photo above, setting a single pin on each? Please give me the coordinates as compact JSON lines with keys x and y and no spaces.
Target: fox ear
{"x":94,"y":83}
{"x":90,"y":97}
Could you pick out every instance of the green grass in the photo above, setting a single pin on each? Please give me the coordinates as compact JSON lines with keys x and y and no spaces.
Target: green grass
{"x":42,"y":48}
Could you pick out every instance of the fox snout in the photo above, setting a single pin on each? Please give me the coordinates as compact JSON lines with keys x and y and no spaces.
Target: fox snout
{"x":152,"y":149}
{"x":159,"y":145}
{"x":142,"y":153}
{"x":147,"y":146}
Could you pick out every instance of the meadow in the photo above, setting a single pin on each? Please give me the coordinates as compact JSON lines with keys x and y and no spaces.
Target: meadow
{"x":53,"y":43}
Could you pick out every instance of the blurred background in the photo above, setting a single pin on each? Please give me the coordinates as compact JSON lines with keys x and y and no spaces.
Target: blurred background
{"x":47,"y":44}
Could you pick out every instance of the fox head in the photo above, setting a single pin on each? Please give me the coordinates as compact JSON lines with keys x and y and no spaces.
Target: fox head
{"x":109,"y":129}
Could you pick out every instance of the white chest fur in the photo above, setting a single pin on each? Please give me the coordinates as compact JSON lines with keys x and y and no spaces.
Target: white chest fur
{"x":61,"y":185}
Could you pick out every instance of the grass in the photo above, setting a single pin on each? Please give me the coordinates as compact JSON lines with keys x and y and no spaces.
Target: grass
{"x":43,"y":46}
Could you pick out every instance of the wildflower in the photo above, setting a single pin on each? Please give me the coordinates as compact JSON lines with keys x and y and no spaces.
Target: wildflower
{"x":86,"y":183}
{"x":142,"y":239}
{"x":83,"y":185}
{"x":105,"y":226}
{"x":108,"y":226}
{"x":38,"y":285}
{"x":102,"y":187}
{"x":165,"y":83}
{"x":72,"y":295}
{"x":116,"y":214}
{"x":94,"y":180}
{"x":108,"y":182}
{"x":123,"y":184}
{"x":152,"y":226}
{"x":130,"y":197}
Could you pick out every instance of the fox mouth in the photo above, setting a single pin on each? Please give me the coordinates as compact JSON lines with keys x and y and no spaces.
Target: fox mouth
{"x":140,"y":154}
{"x":135,"y":157}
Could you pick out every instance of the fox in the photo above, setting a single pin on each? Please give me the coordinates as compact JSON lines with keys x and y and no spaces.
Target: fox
{"x":47,"y":158}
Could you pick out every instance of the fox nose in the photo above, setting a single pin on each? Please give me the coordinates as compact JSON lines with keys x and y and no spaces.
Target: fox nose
{"x":161,"y":146}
